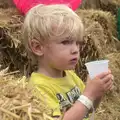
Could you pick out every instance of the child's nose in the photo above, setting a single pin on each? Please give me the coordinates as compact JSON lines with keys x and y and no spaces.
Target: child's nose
{"x":75,"y":48}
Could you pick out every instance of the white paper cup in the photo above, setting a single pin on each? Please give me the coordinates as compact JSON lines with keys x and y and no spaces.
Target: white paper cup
{"x":96,"y":67}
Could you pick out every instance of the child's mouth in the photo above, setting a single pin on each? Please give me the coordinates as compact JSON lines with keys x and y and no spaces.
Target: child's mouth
{"x":74,"y":61}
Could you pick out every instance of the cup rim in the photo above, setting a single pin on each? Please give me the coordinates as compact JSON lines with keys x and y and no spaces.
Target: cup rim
{"x":96,"y":62}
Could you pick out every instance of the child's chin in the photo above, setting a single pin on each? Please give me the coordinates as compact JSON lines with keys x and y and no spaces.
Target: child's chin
{"x":70,"y":68}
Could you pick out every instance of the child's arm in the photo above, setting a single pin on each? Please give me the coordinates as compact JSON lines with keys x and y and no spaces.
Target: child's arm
{"x":97,"y":101}
{"x":94,"y":89}
{"x":76,"y":112}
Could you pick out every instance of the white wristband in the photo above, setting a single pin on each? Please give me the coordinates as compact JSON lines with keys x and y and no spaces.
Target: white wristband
{"x":86,"y":101}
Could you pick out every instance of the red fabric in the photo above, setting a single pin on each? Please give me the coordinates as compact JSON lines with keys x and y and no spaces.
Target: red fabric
{"x":25,"y":5}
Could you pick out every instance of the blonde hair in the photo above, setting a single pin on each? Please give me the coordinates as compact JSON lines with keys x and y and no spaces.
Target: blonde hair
{"x":51,"y":22}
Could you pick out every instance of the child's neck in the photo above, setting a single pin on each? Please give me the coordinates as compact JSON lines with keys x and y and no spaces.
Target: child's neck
{"x":51,"y":72}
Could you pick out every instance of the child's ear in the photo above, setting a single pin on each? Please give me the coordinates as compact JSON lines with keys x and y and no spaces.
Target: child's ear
{"x":36,"y":47}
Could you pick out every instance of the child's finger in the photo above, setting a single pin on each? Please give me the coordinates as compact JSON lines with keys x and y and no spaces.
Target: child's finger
{"x":108,"y":85}
{"x":112,"y":87}
{"x":107,"y":78}
{"x":102,"y":75}
{"x":112,"y":77}
{"x":109,"y":70}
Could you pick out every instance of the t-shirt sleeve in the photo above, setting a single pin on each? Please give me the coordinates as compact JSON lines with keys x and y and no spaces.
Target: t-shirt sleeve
{"x":49,"y":98}
{"x":78,"y":81}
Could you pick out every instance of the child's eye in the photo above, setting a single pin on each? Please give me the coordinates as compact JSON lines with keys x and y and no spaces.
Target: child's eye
{"x":65,"y":42}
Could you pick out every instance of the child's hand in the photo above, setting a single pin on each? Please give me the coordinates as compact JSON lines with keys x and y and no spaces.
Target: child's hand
{"x":98,"y":86}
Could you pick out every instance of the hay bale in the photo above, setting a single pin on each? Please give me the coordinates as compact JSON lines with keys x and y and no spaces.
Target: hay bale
{"x":11,"y":49}
{"x":95,"y":4}
{"x":100,"y":32}
{"x":105,"y":19}
{"x":109,"y":108}
{"x":6,"y":4}
{"x":17,"y":101}
{"x":106,"y":5}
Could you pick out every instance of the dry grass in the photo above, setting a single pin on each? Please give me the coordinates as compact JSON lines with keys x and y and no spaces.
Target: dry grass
{"x":109,"y":108}
{"x":6,"y":3}
{"x":17,"y":101}
{"x":100,"y":32}
{"x":11,"y":50}
{"x":106,"y":5}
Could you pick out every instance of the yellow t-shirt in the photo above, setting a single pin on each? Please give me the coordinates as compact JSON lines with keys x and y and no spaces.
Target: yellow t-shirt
{"x":60,"y":93}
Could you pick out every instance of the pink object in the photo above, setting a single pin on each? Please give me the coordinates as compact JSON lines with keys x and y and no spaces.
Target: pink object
{"x":25,"y":5}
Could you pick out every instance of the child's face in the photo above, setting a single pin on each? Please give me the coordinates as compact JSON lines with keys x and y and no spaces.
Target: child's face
{"x":62,"y":54}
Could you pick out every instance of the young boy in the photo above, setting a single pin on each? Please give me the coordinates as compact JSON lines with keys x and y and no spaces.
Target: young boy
{"x":53,"y":35}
